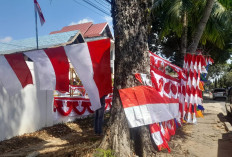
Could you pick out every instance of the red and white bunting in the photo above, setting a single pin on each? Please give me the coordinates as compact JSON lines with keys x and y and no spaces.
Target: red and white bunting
{"x":156,"y":61}
{"x":165,"y":84}
{"x":79,"y":89}
{"x":14,"y":73}
{"x":80,"y":105}
{"x":53,"y":68}
{"x":194,"y":65}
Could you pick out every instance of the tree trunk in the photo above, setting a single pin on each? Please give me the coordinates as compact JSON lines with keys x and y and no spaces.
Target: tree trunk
{"x":201,"y":26}
{"x":184,"y":35}
{"x":184,"y":38}
{"x":130,"y":20}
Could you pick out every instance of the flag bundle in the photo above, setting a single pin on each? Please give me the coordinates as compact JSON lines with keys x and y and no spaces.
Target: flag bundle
{"x":52,"y":67}
{"x":194,"y":66}
{"x":158,"y":137}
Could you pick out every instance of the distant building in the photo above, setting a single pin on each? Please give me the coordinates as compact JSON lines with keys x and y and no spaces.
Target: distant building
{"x":47,"y":41}
{"x":68,"y":35}
{"x":92,"y":32}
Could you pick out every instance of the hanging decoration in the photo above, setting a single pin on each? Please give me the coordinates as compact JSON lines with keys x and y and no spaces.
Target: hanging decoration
{"x":80,"y":105}
{"x":185,"y":88}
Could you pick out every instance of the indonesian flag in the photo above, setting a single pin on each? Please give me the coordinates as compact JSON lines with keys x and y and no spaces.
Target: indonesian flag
{"x":158,"y":137}
{"x":164,"y":131}
{"x":53,"y":68}
{"x":39,"y":11}
{"x":100,"y":57}
{"x":91,"y":61}
{"x":210,"y":61}
{"x":171,"y":127}
{"x":14,"y":73}
{"x":143,"y":105}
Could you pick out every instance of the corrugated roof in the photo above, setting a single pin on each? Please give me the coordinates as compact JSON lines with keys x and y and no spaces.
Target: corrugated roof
{"x":83,"y":27}
{"x":88,"y":30}
{"x":44,"y":42}
{"x":95,"y":30}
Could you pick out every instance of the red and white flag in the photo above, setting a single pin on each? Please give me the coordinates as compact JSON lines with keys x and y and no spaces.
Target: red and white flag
{"x":91,"y":61}
{"x":143,"y":105}
{"x":210,"y":61}
{"x":39,"y":11}
{"x":53,"y":68}
{"x":14,"y":73}
{"x":100,"y":56}
{"x":158,"y":137}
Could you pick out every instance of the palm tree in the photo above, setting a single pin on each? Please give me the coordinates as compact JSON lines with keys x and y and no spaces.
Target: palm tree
{"x":186,"y":20}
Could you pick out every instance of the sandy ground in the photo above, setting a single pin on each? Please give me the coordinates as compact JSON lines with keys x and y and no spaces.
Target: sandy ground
{"x":208,"y":138}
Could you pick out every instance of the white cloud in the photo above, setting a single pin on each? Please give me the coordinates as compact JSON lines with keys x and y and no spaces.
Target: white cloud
{"x":109,"y":21}
{"x":85,"y":20}
{"x":6,"y":39}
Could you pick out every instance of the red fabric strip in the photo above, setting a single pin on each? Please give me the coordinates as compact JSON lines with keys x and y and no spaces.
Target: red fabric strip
{"x":60,"y":64}
{"x":100,"y":56}
{"x":20,"y":68}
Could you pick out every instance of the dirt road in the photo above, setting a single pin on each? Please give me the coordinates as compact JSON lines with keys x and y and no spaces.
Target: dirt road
{"x":208,"y":138}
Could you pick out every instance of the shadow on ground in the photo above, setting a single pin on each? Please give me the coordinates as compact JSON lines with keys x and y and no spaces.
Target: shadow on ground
{"x":225,"y":144}
{"x":69,"y":139}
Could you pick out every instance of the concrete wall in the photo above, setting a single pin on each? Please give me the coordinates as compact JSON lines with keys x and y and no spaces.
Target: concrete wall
{"x":27,"y":111}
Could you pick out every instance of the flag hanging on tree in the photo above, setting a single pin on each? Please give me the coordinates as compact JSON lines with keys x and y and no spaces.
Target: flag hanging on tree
{"x":144,"y":105}
{"x":39,"y":11}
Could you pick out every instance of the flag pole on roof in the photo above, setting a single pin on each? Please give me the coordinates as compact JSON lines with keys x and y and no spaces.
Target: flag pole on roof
{"x":41,"y":17}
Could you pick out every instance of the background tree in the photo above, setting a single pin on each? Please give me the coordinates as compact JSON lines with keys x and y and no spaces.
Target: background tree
{"x":216,"y":83}
{"x":171,"y":28}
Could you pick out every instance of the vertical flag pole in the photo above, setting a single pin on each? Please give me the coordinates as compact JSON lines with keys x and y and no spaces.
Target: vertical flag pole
{"x":36,"y":29}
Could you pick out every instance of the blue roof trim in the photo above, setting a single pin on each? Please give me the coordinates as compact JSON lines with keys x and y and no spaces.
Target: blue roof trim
{"x":30,"y":43}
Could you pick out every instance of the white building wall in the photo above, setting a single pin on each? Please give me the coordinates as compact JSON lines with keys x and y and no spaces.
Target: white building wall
{"x":25,"y":112}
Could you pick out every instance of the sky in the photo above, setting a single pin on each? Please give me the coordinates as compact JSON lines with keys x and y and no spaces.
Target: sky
{"x":17,"y":17}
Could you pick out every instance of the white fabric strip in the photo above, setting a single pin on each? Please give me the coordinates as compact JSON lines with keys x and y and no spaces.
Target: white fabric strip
{"x":8,"y":77}
{"x":157,"y":138}
{"x":80,"y":58}
{"x":46,"y":73}
{"x":151,"y":113}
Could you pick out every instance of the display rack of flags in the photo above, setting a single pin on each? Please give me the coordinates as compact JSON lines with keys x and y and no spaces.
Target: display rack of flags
{"x":164,"y":101}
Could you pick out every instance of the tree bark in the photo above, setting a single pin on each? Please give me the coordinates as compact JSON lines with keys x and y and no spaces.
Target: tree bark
{"x":184,"y":38}
{"x":184,"y":35}
{"x":130,"y":21}
{"x":201,"y":26}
